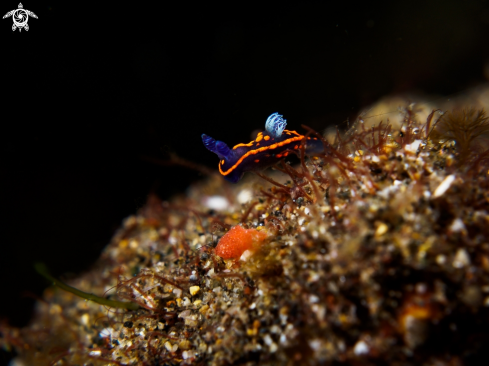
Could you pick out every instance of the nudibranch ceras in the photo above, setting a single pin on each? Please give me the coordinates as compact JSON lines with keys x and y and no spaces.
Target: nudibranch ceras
{"x":267,"y":149}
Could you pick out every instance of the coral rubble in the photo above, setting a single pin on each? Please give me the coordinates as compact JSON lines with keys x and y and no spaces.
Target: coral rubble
{"x":376,"y":252}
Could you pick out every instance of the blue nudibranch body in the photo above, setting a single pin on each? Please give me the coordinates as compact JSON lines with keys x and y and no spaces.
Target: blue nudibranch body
{"x":267,"y":149}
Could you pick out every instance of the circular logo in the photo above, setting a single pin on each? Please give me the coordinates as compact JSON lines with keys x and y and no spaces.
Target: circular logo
{"x":20,"y":17}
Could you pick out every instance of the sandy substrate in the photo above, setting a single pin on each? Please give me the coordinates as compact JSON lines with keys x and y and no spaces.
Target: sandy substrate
{"x":376,"y":252}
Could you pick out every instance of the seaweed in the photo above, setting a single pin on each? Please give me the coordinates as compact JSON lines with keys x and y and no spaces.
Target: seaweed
{"x":43,"y":271}
{"x":468,"y":128}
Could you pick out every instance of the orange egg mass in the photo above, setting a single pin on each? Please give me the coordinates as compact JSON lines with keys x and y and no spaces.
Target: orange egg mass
{"x":237,"y":241}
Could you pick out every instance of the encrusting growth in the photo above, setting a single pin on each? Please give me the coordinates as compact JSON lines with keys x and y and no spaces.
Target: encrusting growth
{"x":238,"y":240}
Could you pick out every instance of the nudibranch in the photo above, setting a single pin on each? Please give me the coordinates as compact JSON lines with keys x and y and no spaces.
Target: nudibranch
{"x":267,"y":149}
{"x":238,"y":240}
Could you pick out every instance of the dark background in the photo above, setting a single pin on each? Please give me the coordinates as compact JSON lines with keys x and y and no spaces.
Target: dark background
{"x":90,"y":89}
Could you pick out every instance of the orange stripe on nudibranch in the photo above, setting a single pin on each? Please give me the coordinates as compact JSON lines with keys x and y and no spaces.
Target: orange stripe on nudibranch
{"x":237,"y":240}
{"x":259,"y":150}
{"x":267,"y":138}
{"x":292,"y":133}
{"x":247,"y":145}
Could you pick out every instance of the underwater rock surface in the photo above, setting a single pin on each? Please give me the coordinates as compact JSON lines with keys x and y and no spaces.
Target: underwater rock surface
{"x":376,"y":252}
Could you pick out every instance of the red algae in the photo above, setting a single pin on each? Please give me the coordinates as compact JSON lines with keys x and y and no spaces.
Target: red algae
{"x":237,"y":241}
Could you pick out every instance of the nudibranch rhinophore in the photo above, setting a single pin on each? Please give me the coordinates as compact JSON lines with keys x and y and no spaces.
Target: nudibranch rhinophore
{"x":267,"y":149}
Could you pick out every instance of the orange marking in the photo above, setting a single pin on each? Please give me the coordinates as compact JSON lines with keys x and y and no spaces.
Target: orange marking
{"x":296,"y":147}
{"x":285,"y":154}
{"x":267,"y":138}
{"x":292,"y":132}
{"x":222,"y":161}
{"x":259,"y":150}
{"x":259,"y":137}
{"x":248,"y":145}
{"x":257,"y":160}
{"x":278,"y":155}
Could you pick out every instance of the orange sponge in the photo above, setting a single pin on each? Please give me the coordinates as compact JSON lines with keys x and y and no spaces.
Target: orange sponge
{"x":237,"y":240}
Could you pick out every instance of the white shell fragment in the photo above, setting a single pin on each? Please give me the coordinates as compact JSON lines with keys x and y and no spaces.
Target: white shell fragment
{"x":412,"y":147}
{"x":360,"y":348}
{"x":457,"y":225}
{"x":461,"y":259}
{"x":244,"y":196}
{"x":443,"y":187}
{"x":217,"y":203}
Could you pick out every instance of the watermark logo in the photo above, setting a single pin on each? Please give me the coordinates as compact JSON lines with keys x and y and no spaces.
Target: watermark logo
{"x":20,"y":17}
